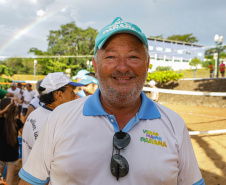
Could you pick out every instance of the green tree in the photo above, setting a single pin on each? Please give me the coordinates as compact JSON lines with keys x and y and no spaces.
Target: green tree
{"x":72,"y":40}
{"x":184,"y":38}
{"x":6,"y":70}
{"x":195,"y":62}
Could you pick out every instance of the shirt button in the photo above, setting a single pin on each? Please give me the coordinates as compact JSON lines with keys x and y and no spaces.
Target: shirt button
{"x":112,"y":120}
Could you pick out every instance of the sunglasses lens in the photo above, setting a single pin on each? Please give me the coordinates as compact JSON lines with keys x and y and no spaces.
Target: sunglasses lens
{"x":119,"y":166}
{"x":121,"y":140}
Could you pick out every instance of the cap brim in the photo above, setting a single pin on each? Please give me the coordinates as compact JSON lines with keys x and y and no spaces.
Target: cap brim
{"x":75,"y":84}
{"x":133,"y":32}
{"x":85,"y":82}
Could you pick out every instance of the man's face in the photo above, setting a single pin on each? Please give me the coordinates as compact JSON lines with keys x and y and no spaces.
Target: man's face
{"x":28,"y":87}
{"x":13,"y":87}
{"x":68,"y":94}
{"x":121,"y":66}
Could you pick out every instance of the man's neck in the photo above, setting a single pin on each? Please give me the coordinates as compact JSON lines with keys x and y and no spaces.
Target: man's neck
{"x":123,"y":113}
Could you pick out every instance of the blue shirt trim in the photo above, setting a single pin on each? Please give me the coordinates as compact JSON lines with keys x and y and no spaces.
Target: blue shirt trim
{"x":200,"y":182}
{"x":47,"y":108}
{"x":30,"y":179}
{"x":93,"y":107}
{"x":148,"y":110}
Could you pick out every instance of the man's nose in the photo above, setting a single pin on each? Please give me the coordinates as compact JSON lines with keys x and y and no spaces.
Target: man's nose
{"x":122,"y":65}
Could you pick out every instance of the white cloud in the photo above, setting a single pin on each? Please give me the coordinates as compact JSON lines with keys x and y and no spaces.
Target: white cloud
{"x":40,"y":13}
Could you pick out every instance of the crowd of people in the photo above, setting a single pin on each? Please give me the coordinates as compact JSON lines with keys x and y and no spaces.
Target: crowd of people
{"x":101,"y":129}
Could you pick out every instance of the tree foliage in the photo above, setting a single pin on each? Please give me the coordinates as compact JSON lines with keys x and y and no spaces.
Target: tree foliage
{"x":6,"y":70}
{"x":69,"y":40}
{"x":188,"y":38}
{"x":72,"y":40}
{"x":195,"y":62}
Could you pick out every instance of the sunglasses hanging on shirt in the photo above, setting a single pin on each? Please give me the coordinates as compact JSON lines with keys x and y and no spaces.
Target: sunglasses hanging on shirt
{"x":119,"y":165}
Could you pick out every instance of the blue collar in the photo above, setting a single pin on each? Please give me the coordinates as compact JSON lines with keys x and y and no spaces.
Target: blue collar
{"x":93,"y":107}
{"x":47,"y":108}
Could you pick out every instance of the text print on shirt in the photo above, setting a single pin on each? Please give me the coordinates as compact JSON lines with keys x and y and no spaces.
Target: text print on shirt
{"x":152,"y":137}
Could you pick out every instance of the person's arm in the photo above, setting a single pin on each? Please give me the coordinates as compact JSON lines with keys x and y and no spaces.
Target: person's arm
{"x":22,"y":182}
{"x":6,"y":108}
{"x":9,"y":94}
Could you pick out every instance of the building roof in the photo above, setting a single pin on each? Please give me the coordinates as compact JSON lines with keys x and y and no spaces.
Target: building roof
{"x":173,"y":42}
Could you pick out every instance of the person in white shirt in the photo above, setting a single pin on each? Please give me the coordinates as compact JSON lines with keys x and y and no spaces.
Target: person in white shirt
{"x":55,"y":89}
{"x":35,"y":102}
{"x":13,"y":89}
{"x":117,"y":135}
{"x":28,"y":95}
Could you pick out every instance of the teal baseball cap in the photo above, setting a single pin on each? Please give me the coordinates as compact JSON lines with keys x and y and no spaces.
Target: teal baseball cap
{"x":80,"y":74}
{"x":118,"y":26}
{"x":86,"y":80}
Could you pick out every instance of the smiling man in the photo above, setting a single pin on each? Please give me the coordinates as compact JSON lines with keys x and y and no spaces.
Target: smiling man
{"x":116,"y":134}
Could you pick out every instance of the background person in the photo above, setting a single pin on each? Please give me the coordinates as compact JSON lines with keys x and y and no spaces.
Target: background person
{"x":9,"y":144}
{"x":13,"y":89}
{"x":35,"y":102}
{"x":55,"y":89}
{"x":154,"y":94}
{"x":80,"y":74}
{"x":28,"y":95}
{"x":92,"y":132}
{"x":222,"y":68}
{"x":20,"y":95}
{"x":211,"y":68}
{"x":90,"y":84}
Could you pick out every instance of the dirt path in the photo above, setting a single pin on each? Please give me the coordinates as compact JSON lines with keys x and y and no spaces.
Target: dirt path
{"x":210,"y":149}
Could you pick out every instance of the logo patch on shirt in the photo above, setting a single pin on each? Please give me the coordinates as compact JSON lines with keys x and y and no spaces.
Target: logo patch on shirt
{"x":152,"y":137}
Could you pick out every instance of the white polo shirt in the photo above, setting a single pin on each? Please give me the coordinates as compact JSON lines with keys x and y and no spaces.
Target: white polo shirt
{"x":75,"y":147}
{"x":28,"y":96}
{"x":31,"y":129}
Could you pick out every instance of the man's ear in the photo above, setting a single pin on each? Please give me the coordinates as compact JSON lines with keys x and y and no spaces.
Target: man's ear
{"x":57,"y":95}
{"x":94,"y":66}
{"x":148,"y":62}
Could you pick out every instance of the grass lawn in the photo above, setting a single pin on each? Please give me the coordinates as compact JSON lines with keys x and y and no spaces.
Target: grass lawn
{"x":200,"y":73}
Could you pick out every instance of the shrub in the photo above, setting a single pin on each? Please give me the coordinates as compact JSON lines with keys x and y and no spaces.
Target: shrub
{"x":4,"y":86}
{"x":164,"y":68}
{"x":164,"y":76}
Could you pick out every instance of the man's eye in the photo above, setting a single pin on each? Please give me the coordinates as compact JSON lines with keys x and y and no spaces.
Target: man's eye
{"x":134,"y":57}
{"x":109,"y":57}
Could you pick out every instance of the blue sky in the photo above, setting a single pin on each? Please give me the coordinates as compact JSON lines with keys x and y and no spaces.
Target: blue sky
{"x":26,"y":23}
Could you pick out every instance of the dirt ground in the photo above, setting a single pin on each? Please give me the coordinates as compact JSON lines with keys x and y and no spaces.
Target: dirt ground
{"x":210,"y":149}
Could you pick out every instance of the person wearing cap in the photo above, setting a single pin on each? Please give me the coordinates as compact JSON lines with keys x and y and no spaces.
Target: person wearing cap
{"x":56,"y":89}
{"x":35,"y":102}
{"x":90,"y":84}
{"x":117,"y":135}
{"x":80,"y":74}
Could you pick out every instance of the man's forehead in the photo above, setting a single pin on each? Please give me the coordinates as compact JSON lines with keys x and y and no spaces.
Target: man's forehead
{"x":121,"y":37}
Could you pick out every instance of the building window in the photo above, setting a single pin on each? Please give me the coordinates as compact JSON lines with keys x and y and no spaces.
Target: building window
{"x":188,"y":52}
{"x":180,"y":51}
{"x":150,"y":48}
{"x":159,"y":49}
{"x":199,"y":54}
{"x":168,"y":50}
